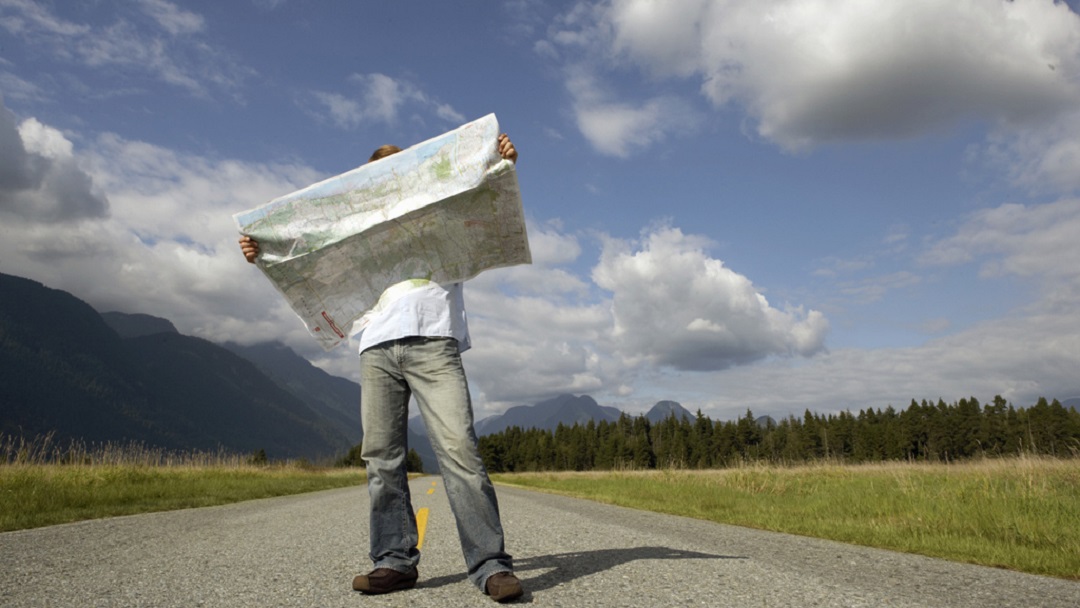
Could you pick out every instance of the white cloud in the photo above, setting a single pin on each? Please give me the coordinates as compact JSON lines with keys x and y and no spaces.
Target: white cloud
{"x":269,"y":4}
{"x":1031,"y":241}
{"x":342,"y":111}
{"x":167,"y":244}
{"x":1043,"y":159}
{"x":675,"y":306}
{"x":379,"y":99}
{"x":550,"y":249}
{"x":874,"y":288}
{"x":813,"y":71}
{"x":678,"y":321}
{"x":168,"y":247}
{"x":656,"y":310}
{"x":620,"y":128}
{"x":1020,"y":359}
{"x":173,"y":19}
{"x":28,"y":18}
{"x":535,"y":328}
{"x":14,"y":87}
{"x":1032,"y":352}
{"x":383,"y":95}
{"x":39,"y":176}
{"x":156,"y":37}
{"x":555,"y":333}
{"x":530,"y":347}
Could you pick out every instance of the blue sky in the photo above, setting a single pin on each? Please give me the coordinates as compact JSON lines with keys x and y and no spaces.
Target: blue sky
{"x":775,"y":205}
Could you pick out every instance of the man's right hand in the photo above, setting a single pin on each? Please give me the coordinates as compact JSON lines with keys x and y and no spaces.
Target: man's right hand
{"x":250,"y":248}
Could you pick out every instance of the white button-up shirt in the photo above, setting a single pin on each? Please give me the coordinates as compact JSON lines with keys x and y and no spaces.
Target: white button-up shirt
{"x":416,"y":307}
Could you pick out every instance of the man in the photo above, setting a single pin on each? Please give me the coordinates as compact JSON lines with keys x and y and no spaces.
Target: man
{"x":410,"y":345}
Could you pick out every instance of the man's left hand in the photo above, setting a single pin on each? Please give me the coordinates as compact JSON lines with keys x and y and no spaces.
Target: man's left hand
{"x":507,"y":149}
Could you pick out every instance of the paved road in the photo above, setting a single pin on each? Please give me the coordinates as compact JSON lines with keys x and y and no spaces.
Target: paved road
{"x":302,"y":551}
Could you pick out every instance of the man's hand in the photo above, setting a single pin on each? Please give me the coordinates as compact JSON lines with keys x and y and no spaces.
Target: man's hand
{"x":507,"y":149}
{"x":250,"y":248}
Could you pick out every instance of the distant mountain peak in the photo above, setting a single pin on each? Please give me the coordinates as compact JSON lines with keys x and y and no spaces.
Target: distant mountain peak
{"x":666,"y":409}
{"x":565,"y":409}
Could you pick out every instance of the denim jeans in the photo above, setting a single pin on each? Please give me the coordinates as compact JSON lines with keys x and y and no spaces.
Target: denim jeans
{"x":430,"y":369}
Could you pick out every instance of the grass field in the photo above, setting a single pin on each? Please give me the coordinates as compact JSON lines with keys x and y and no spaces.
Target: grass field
{"x":42,"y":484}
{"x":1017,"y":513}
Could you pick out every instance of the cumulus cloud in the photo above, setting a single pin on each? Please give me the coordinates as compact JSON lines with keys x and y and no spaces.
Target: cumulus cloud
{"x":1020,"y":359}
{"x":39,"y":176}
{"x":811,"y":71}
{"x":530,"y":347}
{"x":654,"y":308}
{"x":1032,"y":352}
{"x":535,"y":328}
{"x":378,"y":99}
{"x":167,"y":245}
{"x":675,"y":306}
{"x":655,"y":315}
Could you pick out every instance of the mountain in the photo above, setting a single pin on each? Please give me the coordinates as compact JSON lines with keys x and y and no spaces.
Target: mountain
{"x":1072,"y":402}
{"x":64,"y":369}
{"x":666,"y":409}
{"x":136,"y":325}
{"x":565,"y":409}
{"x":336,"y":400}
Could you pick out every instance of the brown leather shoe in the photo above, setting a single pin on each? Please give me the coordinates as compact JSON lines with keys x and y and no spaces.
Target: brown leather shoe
{"x":503,"y":587}
{"x":385,"y":580}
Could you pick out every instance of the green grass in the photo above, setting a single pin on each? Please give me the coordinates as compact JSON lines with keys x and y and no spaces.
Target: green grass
{"x":36,"y":495}
{"x":42,"y":483}
{"x":1021,"y":514}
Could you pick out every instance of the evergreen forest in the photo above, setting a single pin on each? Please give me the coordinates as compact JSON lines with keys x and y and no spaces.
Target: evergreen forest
{"x":924,"y":432}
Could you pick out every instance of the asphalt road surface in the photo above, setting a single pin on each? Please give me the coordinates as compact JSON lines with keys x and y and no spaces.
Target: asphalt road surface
{"x":303,"y":551}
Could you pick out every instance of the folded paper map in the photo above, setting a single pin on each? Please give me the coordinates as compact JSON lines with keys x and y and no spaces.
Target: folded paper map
{"x":443,"y":210}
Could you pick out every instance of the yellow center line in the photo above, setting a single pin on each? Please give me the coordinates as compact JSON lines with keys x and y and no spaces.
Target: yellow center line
{"x":421,"y":523}
{"x":421,"y":520}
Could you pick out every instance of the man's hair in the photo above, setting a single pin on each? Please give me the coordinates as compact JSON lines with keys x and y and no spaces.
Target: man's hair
{"x":383,"y":152}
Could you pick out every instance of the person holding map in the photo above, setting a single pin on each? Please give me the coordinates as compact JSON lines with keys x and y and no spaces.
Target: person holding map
{"x":410,"y":345}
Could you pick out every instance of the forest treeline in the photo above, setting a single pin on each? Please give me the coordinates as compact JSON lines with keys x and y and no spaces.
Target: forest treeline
{"x":923,"y":432}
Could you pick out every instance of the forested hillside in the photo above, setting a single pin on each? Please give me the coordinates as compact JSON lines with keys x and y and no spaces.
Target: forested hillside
{"x":66,"y":371}
{"x":922,"y":432}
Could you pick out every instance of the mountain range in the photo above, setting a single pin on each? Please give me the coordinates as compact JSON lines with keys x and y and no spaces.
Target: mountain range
{"x":65,"y":369}
{"x":69,"y":370}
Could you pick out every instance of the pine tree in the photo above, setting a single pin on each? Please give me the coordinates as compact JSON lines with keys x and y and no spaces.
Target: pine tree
{"x":413,"y":462}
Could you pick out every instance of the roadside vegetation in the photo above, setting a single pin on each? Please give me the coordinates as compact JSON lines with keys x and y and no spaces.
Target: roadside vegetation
{"x":924,"y":432}
{"x":43,"y":483}
{"x":1012,"y":500}
{"x":1020,"y":513}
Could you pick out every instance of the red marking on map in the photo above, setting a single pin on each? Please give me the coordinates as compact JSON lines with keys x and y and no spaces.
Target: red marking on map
{"x":333,"y":326}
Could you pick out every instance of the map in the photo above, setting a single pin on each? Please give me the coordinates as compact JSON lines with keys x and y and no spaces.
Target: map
{"x":443,"y":210}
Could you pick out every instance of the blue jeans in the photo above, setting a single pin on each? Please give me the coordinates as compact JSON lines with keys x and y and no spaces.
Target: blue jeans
{"x":430,"y":369}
